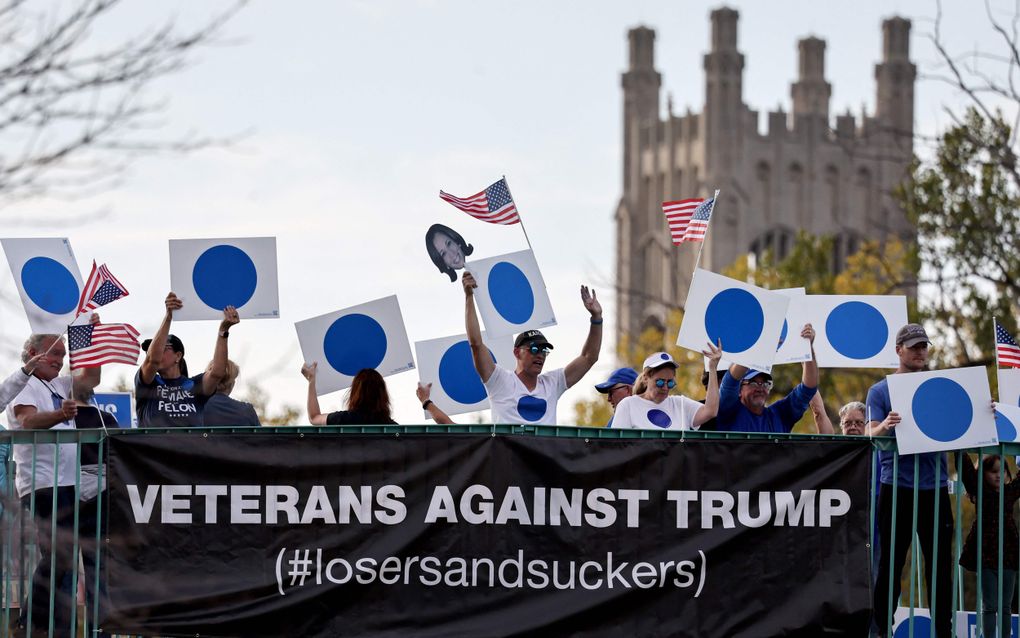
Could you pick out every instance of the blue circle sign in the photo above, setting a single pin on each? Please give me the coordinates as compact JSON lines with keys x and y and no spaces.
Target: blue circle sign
{"x":736,"y":317}
{"x":510,"y":292}
{"x":457,"y":374}
{"x":856,"y":330}
{"x":354,"y":342}
{"x":531,"y":408}
{"x":50,"y":285}
{"x":921,"y":627}
{"x":942,"y":409}
{"x":659,"y":418}
{"x":1004,"y":428}
{"x":224,"y":276}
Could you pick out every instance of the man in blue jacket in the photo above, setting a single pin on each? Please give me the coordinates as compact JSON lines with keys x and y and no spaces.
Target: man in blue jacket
{"x":744,"y":393}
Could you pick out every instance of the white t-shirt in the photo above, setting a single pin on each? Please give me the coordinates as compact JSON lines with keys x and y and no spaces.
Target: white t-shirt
{"x":676,"y":412}
{"x":43,"y":399}
{"x":512,"y":403}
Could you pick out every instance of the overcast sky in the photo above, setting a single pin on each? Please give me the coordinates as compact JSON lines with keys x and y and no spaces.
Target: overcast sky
{"x":358,"y":112}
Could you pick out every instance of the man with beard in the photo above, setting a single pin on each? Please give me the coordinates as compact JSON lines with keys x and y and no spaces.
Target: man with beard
{"x":527,"y":395}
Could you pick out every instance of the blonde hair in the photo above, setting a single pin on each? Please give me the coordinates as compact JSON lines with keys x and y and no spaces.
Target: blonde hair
{"x":226,"y":384}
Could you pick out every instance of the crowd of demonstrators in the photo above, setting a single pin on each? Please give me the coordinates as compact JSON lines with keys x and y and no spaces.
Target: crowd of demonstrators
{"x":651,"y":405}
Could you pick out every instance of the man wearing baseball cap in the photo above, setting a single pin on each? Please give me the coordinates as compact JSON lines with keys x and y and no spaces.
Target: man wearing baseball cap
{"x":744,"y":393}
{"x":617,"y":387}
{"x":164,"y":394}
{"x":528,"y":395}
{"x":932,"y":485}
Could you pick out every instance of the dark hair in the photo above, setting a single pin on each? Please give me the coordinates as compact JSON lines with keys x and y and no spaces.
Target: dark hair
{"x":704,"y":377}
{"x":368,"y":395}
{"x":988,"y":464}
{"x":437,"y":259}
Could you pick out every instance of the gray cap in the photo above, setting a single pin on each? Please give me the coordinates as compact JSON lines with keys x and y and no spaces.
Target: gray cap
{"x":911,"y":334}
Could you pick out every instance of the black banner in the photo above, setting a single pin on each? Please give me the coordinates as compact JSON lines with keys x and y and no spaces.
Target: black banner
{"x":463,"y":535}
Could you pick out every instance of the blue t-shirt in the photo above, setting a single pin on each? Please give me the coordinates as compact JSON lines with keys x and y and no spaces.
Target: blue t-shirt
{"x":169,"y":403}
{"x":779,"y":417}
{"x":879,"y":406}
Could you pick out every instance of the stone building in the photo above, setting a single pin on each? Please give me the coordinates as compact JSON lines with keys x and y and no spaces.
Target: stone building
{"x":803,"y":172}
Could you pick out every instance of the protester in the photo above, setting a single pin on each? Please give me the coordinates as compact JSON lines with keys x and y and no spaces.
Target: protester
{"x":447,"y":249}
{"x":991,"y":475}
{"x":220,"y":409}
{"x":744,"y":393}
{"x":165,"y":396}
{"x":527,"y":395}
{"x":368,"y":402}
{"x":651,"y":406}
{"x":851,"y":418}
{"x":617,"y":387}
{"x":45,"y":403}
{"x":424,"y":392}
{"x":932,"y":486}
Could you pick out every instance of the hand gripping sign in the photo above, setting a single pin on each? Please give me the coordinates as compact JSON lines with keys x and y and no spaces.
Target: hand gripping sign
{"x":48,"y":281}
{"x":210,"y":274}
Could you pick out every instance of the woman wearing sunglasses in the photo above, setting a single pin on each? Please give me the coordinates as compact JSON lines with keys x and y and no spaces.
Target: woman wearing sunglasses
{"x":651,"y":406}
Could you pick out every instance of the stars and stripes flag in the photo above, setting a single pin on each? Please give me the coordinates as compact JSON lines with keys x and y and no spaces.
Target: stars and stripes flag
{"x":688,"y":218}
{"x":102,"y":343}
{"x":493,"y":205}
{"x":1006,"y":348}
{"x":100,"y":289}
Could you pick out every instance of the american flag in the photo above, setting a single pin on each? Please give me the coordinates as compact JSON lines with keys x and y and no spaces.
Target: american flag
{"x":493,"y":205}
{"x":98,"y":344}
{"x":100,"y":289}
{"x":688,"y":218}
{"x":1006,"y":348}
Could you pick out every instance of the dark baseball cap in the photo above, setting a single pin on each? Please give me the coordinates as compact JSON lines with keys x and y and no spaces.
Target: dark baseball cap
{"x":625,"y":376}
{"x":911,"y":334}
{"x":532,"y":337}
{"x":173,"y":340}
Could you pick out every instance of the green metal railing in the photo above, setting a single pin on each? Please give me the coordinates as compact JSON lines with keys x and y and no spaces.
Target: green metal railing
{"x":20,"y":538}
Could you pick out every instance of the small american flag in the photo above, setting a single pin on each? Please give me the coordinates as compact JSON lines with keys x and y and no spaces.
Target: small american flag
{"x":493,"y":205}
{"x":688,"y":218}
{"x":100,"y":289}
{"x":98,"y":344}
{"x":1006,"y":348}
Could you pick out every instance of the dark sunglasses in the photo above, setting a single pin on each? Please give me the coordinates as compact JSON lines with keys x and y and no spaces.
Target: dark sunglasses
{"x":535,"y":349}
{"x":662,"y":383}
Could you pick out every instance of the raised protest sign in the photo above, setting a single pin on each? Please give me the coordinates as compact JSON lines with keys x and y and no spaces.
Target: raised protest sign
{"x":511,"y":294}
{"x":478,"y":535}
{"x":1007,"y":423}
{"x":1009,"y":386}
{"x":446,"y":363}
{"x":210,"y":274}
{"x":48,"y":281}
{"x":794,"y":348}
{"x":857,"y":331}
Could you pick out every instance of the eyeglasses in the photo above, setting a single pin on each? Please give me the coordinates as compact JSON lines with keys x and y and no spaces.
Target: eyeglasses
{"x":759,"y":384}
{"x":536,"y":350}
{"x":662,"y":383}
{"x":853,"y":422}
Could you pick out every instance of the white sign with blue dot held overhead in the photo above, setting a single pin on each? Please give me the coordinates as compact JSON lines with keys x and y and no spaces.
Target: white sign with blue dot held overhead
{"x":511,"y":295}
{"x":1009,"y":386}
{"x":369,"y":335}
{"x":942,"y":410}
{"x":794,"y":348}
{"x":211,"y":274}
{"x":857,"y":331}
{"x":747,"y":319}
{"x":446,"y":363}
{"x":1007,"y":422}
{"x":48,"y":281}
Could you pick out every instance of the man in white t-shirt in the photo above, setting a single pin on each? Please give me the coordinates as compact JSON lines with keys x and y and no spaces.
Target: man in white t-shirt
{"x":46,"y":403}
{"x":527,"y":395}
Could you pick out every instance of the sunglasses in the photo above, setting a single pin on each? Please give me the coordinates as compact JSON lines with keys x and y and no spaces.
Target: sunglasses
{"x":759,"y":384}
{"x":662,"y":383}
{"x":536,"y":350}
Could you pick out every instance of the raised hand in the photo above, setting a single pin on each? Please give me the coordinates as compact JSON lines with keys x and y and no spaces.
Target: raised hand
{"x":172,"y":303}
{"x":423,"y":391}
{"x":591,"y":302}
{"x":309,"y":370}
{"x":808,"y":333}
{"x":468,"y":281}
{"x":714,"y":355}
{"x":230,"y":318}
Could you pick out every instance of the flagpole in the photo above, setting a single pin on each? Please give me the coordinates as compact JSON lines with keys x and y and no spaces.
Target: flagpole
{"x":520,"y":220}
{"x":995,"y":344}
{"x":704,"y":240}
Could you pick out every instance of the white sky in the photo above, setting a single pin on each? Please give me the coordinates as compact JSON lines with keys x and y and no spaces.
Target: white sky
{"x":361,"y":111}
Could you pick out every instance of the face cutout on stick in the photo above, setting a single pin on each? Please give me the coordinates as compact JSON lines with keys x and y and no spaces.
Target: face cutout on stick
{"x":447,"y":249}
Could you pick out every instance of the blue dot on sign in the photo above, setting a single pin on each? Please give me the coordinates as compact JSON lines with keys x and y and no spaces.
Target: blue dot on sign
{"x":457,"y":374}
{"x":354,"y":342}
{"x":531,"y":408}
{"x":510,"y":292}
{"x":782,"y":335}
{"x":224,"y":276}
{"x":1004,"y":428}
{"x":942,"y":409}
{"x":50,"y":285}
{"x":922,"y":627}
{"x":856,"y":330}
{"x":659,"y":418}
{"x":736,"y":317}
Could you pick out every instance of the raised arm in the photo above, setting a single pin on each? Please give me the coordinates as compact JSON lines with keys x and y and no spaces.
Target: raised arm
{"x":592,"y":345}
{"x":14,"y":384}
{"x":218,"y":368}
{"x":155,"y":352}
{"x":810,"y":375}
{"x":484,"y":364}
{"x":424,"y":392}
{"x":315,"y":415}
{"x":711,"y":408}
{"x":822,"y":421}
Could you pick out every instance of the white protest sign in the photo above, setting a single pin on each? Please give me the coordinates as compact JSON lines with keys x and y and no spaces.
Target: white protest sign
{"x":210,"y":274}
{"x":48,"y":280}
{"x":511,"y":295}
{"x":446,"y":363}
{"x":369,"y":335}
{"x":747,"y":319}
{"x":942,"y":410}
{"x":794,"y":348}
{"x":857,"y":331}
{"x":1007,"y":422}
{"x":1009,"y":386}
